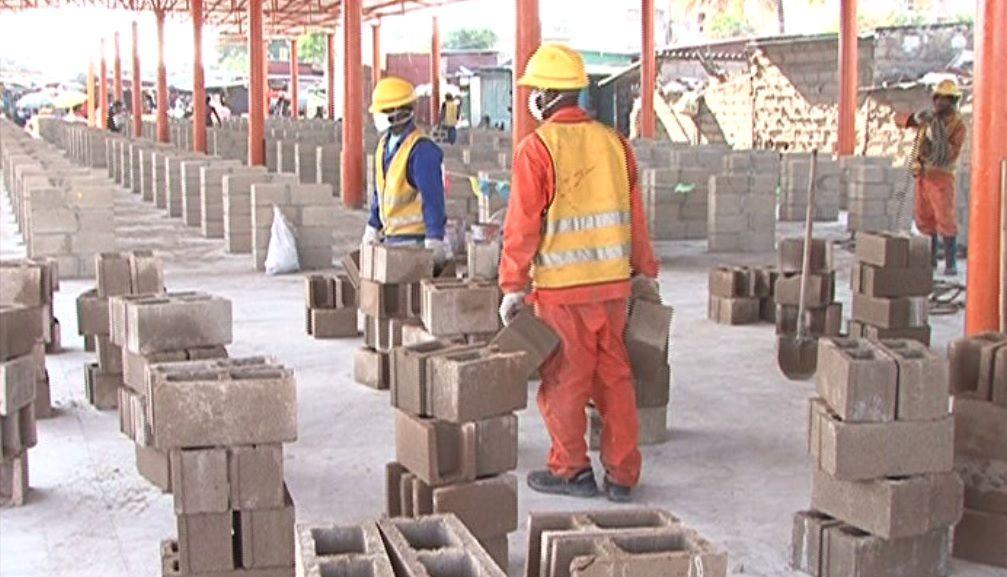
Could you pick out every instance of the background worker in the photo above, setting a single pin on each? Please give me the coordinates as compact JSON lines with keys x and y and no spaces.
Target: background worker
{"x":450,"y":115}
{"x":575,"y":230}
{"x":934,"y":166}
{"x":408,"y":204}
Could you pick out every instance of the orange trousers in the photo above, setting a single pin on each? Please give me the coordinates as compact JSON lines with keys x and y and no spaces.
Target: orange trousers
{"x":936,"y":212}
{"x":591,"y":364}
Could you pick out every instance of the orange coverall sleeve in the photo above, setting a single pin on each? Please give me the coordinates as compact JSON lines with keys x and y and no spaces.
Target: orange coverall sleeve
{"x":532,"y":189}
{"x":957,"y":139}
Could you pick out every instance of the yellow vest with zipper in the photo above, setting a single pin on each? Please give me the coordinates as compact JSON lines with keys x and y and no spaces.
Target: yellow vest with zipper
{"x":401,"y":207}
{"x":586,"y":236}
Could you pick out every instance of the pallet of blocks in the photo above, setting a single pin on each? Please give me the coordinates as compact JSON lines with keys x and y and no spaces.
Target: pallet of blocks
{"x":154,"y":329}
{"x":879,"y":505}
{"x":118,"y":274}
{"x":331,"y":311}
{"x":892,"y":281}
{"x":223,"y":423}
{"x":635,"y":541}
{"x":31,"y":283}
{"x":455,"y":398}
{"x":978,"y":367}
{"x":823,"y":315}
{"x":20,"y":340}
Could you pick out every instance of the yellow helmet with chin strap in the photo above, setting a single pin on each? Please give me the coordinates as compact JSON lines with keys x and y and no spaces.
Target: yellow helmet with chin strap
{"x":391,"y":93}
{"x":555,"y":67}
{"x":948,"y":88}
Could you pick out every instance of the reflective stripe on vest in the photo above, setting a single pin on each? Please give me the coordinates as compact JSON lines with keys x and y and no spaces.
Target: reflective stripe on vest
{"x":586,"y":235}
{"x":400,"y":204}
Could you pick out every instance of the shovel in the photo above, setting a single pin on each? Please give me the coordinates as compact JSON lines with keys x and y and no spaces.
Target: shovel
{"x":797,"y":354}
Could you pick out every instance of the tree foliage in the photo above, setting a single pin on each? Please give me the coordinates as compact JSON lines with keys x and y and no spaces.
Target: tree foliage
{"x":470,"y":39}
{"x":312,"y":47}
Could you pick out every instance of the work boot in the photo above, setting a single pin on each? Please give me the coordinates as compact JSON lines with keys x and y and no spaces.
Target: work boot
{"x":950,"y":256}
{"x":580,"y":485}
{"x":934,"y":245}
{"x":617,"y":493}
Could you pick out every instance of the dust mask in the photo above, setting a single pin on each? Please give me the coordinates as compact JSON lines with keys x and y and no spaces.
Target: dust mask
{"x":536,"y":105}
{"x":382,"y":121}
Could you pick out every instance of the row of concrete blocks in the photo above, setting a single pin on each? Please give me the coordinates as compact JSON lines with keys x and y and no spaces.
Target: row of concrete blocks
{"x":794,"y":183}
{"x":330,"y":306}
{"x":879,"y":196}
{"x":32,"y":283}
{"x":978,"y":367}
{"x":742,"y":213}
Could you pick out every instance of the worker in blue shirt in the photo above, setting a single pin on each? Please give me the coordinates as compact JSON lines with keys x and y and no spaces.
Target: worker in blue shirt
{"x":407,"y":206}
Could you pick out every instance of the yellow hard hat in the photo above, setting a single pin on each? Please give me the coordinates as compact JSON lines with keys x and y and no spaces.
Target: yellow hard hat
{"x":391,"y":93}
{"x":947,"y":87}
{"x":555,"y":67}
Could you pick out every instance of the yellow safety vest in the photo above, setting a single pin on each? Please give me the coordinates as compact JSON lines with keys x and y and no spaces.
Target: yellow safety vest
{"x":586,"y":236}
{"x":450,"y":113}
{"x":400,"y":204}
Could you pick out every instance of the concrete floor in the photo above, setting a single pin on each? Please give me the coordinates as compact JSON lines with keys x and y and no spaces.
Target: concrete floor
{"x":735,"y":467}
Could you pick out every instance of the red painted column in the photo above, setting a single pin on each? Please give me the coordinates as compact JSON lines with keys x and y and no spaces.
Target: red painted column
{"x":435,"y":72}
{"x":117,"y":71}
{"x":330,"y":73}
{"x":529,"y":36}
{"x":294,"y":74}
{"x":648,"y":72}
{"x":848,"y":75}
{"x":375,"y":53}
{"x":352,"y":169}
{"x":137,"y":90}
{"x":989,"y":149}
{"x":103,"y":90}
{"x":162,"y":83}
{"x":198,"y":82}
{"x":91,"y":121}
{"x":256,"y":90}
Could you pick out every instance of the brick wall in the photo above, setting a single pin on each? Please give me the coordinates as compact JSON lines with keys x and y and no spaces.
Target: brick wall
{"x":908,"y":52}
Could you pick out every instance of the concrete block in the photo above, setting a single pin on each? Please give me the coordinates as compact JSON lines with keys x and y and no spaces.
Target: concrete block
{"x":473,"y":385}
{"x":20,"y":328}
{"x":267,"y":536}
{"x":18,"y":432}
{"x":981,"y":537}
{"x":451,"y":307}
{"x":109,"y":355}
{"x":334,"y":323}
{"x":370,"y":368}
{"x":980,"y":429}
{"x":199,"y":480}
{"x":146,"y":272}
{"x":384,"y":300}
{"x":435,"y":545}
{"x":350,"y":550}
{"x":891,"y":313}
{"x":733,"y":311}
{"x":527,"y":334}
{"x":14,"y":480}
{"x":732,"y":281}
{"x":820,"y":291}
{"x":985,"y":483}
{"x":806,"y":546}
{"x":857,"y":380}
{"x":205,"y":542}
{"x":966,"y":357}
{"x":891,"y":282}
{"x":883,"y":249}
{"x":395,"y":264}
{"x":92,"y":314}
{"x":923,"y":380}
{"x":17,"y":384}
{"x":154,"y":465}
{"x":101,"y":388}
{"x":790,"y":255}
{"x":255,"y":476}
{"x":410,"y":374}
{"x":176,"y":321}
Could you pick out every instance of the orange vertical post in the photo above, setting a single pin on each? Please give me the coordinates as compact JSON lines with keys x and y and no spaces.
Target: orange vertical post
{"x":265,"y":76}
{"x":529,"y":36}
{"x":103,"y":89}
{"x":117,"y":71}
{"x":294,"y":76}
{"x":848,"y":75}
{"x":352,"y":168}
{"x":137,"y":90}
{"x":90,"y":94}
{"x":648,"y":71}
{"x":330,"y":73}
{"x":198,"y":82}
{"x":162,"y":82}
{"x":375,"y":53}
{"x":435,"y":72}
{"x":256,"y":91}
{"x":989,"y":149}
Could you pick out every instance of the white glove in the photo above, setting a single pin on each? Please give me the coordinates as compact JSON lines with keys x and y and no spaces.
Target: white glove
{"x":510,"y":306}
{"x":441,"y":250}
{"x":370,"y":235}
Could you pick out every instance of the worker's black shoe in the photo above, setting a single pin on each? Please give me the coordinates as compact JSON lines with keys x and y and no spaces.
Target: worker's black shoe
{"x":580,"y":485}
{"x":617,"y":493}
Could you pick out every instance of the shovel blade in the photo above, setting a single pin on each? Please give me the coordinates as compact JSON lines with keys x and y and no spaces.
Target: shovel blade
{"x":798,"y":358}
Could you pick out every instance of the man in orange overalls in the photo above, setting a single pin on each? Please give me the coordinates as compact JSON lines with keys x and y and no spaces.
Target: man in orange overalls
{"x":934,"y":166}
{"x":575,"y":231}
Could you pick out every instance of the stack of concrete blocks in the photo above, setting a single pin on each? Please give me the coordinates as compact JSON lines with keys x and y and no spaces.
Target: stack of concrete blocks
{"x":872,"y":198}
{"x":879,"y":505}
{"x":113,"y":157}
{"x":20,"y":339}
{"x":456,"y":436}
{"x":229,"y":141}
{"x":978,"y":367}
{"x":389,"y":298}
{"x":823,"y":316}
{"x":795,"y":178}
{"x":627,"y":542}
{"x":223,"y":423}
{"x":328,"y":159}
{"x":152,"y":172}
{"x":174,"y":181}
{"x":211,"y":194}
{"x":892,"y":281}
{"x":733,"y":300}
{"x":237,"y":205}
{"x":647,"y":337}
{"x":134,"y":159}
{"x":742,"y":206}
{"x":31,"y":284}
{"x":847,"y":166}
{"x":765,"y":291}
{"x":166,"y":328}
{"x":118,"y":274}
{"x":191,"y":173}
{"x":87,"y":145}
{"x":675,"y":200}
{"x":331,"y":311}
{"x":310,"y":213}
